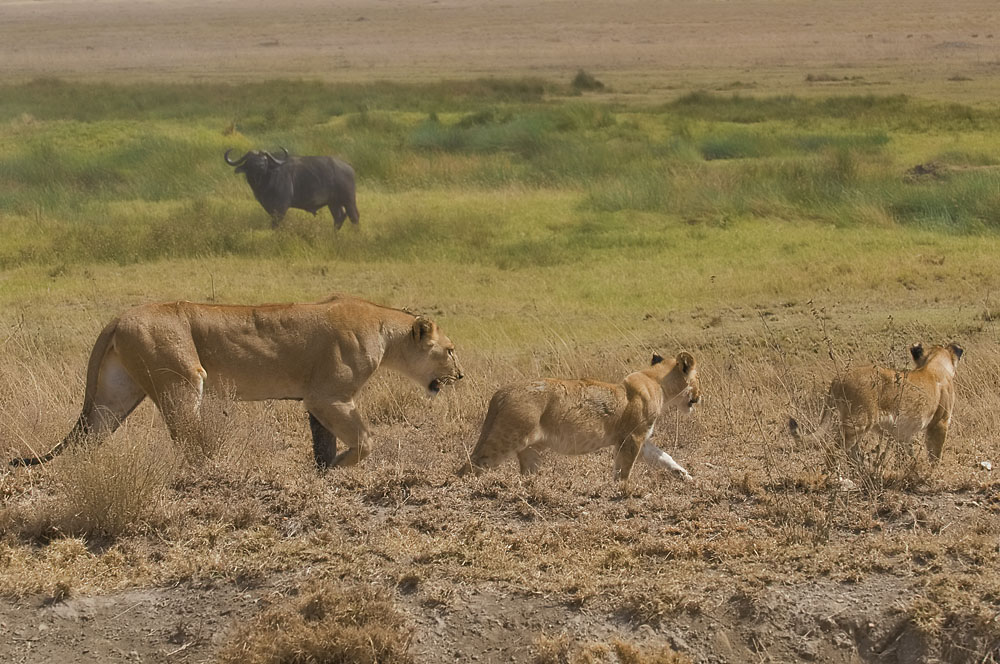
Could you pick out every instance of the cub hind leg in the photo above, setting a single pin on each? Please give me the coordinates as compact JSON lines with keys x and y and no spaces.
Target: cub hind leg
{"x":506,"y":431}
{"x":530,"y":459}
{"x":493,"y":449}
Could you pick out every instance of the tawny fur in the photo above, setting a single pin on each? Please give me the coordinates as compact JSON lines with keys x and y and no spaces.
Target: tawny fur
{"x":902,"y":404}
{"x":581,"y":416}
{"x":319,"y":353}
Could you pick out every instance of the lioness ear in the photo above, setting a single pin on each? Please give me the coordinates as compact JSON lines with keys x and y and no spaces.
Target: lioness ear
{"x":957,"y":350}
{"x":917,"y":352}
{"x":656,"y":359}
{"x":685,"y":361}
{"x":422,"y":328}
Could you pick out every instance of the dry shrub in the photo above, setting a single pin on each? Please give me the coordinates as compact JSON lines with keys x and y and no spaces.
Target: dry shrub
{"x":105,"y":491}
{"x":329,"y":625}
{"x":629,"y":654}
{"x":656,"y":605}
{"x":114,"y":488}
{"x":561,"y":650}
{"x":551,"y":650}
{"x":882,"y":463}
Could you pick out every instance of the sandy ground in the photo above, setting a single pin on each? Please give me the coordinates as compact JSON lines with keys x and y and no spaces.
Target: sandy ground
{"x":636,"y":44}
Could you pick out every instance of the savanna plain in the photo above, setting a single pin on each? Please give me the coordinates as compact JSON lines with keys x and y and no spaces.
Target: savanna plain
{"x":782,"y":189}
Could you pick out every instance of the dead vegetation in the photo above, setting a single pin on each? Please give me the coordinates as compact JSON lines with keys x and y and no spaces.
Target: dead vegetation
{"x":331,"y":623}
{"x":656,"y":565}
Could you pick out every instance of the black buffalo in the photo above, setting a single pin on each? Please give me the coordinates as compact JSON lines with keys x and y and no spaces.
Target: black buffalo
{"x":306,"y":183}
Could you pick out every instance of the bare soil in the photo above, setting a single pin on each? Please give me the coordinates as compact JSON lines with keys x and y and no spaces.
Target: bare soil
{"x":636,"y":46}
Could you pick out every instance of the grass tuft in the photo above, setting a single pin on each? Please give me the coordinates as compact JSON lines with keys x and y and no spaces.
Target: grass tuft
{"x":327,"y":623}
{"x":586,"y":81}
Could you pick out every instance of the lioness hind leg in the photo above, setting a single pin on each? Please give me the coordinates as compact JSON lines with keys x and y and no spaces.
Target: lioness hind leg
{"x":179,"y":399}
{"x":324,"y":443}
{"x":116,"y":395}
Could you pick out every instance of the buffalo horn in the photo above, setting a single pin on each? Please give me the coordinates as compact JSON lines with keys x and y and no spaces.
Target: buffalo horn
{"x":234,"y":163}
{"x":277,"y":162}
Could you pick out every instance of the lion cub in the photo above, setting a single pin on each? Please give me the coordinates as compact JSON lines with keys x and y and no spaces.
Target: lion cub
{"x":581,"y":416}
{"x":900,"y":403}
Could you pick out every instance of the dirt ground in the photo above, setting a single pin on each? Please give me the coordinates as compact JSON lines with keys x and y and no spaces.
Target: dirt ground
{"x":792,"y":609}
{"x":637,"y":46}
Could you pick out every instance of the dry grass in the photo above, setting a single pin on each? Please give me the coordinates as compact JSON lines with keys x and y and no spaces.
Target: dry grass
{"x":764,"y":510}
{"x":331,"y":624}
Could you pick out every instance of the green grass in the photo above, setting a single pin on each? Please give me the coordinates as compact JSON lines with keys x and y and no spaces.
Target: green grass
{"x":510,"y":174}
{"x":548,"y":234}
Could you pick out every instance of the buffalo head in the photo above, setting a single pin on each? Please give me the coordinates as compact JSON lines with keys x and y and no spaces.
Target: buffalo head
{"x":256,"y":163}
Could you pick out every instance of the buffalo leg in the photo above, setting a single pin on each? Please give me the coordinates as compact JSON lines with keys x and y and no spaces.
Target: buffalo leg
{"x":352,"y":211}
{"x":338,"y":215}
{"x":324,"y":443}
{"x":277,"y":216}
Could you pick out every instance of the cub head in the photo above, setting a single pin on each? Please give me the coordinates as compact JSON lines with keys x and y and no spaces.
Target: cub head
{"x":430,"y":358}
{"x":951,"y":354}
{"x":681,"y":383}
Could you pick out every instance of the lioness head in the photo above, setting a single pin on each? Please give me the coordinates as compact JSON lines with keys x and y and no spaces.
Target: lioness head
{"x":429,"y":358}
{"x":681,"y":383}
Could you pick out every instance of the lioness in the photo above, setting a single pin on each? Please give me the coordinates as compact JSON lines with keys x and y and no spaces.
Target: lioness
{"x":580,"y":416}
{"x":320,"y":353}
{"x":899,"y":403}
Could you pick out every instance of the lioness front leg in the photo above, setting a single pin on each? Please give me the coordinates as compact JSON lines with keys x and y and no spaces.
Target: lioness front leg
{"x":324,"y":443}
{"x":343,"y":421}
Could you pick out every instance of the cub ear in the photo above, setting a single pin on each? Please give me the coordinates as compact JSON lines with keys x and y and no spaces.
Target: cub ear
{"x":957,"y":350}
{"x":656,"y":360}
{"x":422,"y":328}
{"x":685,"y":361}
{"x":917,"y":352}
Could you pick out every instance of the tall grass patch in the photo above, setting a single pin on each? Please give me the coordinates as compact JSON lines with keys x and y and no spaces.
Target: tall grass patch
{"x":137,"y":175}
{"x":117,"y":487}
{"x":324,"y":623}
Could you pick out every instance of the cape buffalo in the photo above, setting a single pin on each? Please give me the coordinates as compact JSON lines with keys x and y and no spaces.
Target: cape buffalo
{"x":306,"y":183}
